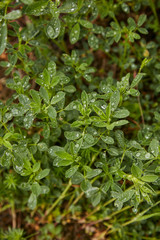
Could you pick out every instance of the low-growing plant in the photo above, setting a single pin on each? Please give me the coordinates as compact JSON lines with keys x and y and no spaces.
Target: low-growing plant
{"x":79,"y":135}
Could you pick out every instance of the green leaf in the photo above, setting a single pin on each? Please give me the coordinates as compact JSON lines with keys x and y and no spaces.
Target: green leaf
{"x":154,"y":147}
{"x":13,"y":15}
{"x":3,"y":36}
{"x":107,"y":139}
{"x":64,"y":155}
{"x":95,"y":200}
{"x":71,"y":171}
{"x":42,"y":174}
{"x":36,"y":166}
{"x":93,"y":41}
{"x":92,"y":172}
{"x":77,"y":178}
{"x":117,"y":124}
{"x":121,"y":113}
{"x":53,"y":28}
{"x":85,"y":185}
{"x":144,"y":63}
{"x":126,"y":196}
{"x":35,"y":96}
{"x":72,"y":135}
{"x":37,"y":8}
{"x":137,"y":79}
{"x":120,"y":138}
{"x":136,"y":171}
{"x":42,"y":146}
{"x":58,"y":97}
{"x":74,"y":34}
{"x":86,"y":23}
{"x":36,"y":189}
{"x":32,"y":201}
{"x":54,"y":10}
{"x":52,"y":112}
{"x":142,"y":18}
{"x":68,"y":6}
{"x":143,"y":30}
{"x":149,"y":178}
{"x":28,"y":120}
{"x":91,"y":191}
{"x":52,"y":68}
{"x":44,"y":94}
{"x":84,"y":98}
{"x":46,"y":77}
{"x":70,"y":89}
{"x":114,"y":100}
{"x":132,"y":23}
{"x":99,"y":112}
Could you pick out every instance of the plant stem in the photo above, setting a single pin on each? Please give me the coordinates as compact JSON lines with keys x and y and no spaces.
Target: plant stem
{"x":59,"y":199}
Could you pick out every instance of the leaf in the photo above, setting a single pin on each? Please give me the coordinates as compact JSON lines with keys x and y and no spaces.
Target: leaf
{"x":53,"y":28}
{"x":3,"y":36}
{"x":121,"y":113}
{"x":91,"y":191}
{"x":52,"y":68}
{"x":36,"y":166}
{"x":42,"y":146}
{"x":149,"y":178}
{"x":85,"y":185}
{"x":93,"y":41}
{"x":24,"y":100}
{"x":44,"y":94}
{"x":72,"y":135}
{"x":36,"y":189}
{"x":71,"y":171}
{"x":107,"y":139}
{"x":58,"y":97}
{"x":32,"y":201}
{"x":13,"y":15}
{"x":132,"y":23}
{"x":42,"y":174}
{"x":144,"y":63}
{"x":143,"y":30}
{"x":84,"y":98}
{"x":46,"y":77}
{"x":64,"y":155}
{"x":120,"y":138}
{"x":117,"y":124}
{"x":93,"y":173}
{"x":88,"y":139}
{"x":77,"y":178}
{"x":74,"y":34}
{"x":68,"y":6}
{"x":137,"y":79}
{"x":154,"y":147}
{"x":28,"y":120}
{"x":37,"y":8}
{"x":70,"y":89}
{"x":126,"y":196}
{"x":136,"y":171}
{"x":95,"y":200}
{"x":35,"y":96}
{"x":86,"y":23}
{"x":52,"y":112}
{"x":114,"y":100}
{"x":99,"y":112}
{"x":142,"y":18}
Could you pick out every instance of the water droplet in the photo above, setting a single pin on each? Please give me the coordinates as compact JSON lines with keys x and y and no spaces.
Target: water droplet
{"x":147,"y":156}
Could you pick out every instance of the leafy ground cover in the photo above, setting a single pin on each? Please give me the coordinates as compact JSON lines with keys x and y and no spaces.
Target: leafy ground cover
{"x":79,"y":119}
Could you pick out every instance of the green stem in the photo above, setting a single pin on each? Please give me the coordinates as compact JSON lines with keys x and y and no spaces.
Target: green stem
{"x":59,"y":199}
